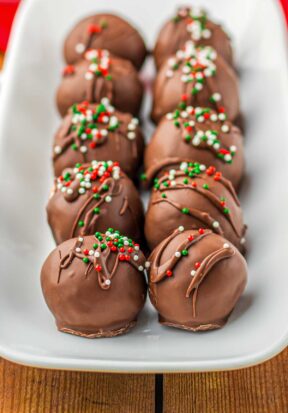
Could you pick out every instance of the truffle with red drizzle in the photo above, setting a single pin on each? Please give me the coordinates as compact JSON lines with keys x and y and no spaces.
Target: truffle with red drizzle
{"x":95,"y":285}
{"x":98,"y":132}
{"x":196,"y":278}
{"x":191,"y":23}
{"x":91,"y":197}
{"x":197,"y":134}
{"x":195,"y":76}
{"x":105,"y":31}
{"x":196,"y":197}
{"x":100,"y":74}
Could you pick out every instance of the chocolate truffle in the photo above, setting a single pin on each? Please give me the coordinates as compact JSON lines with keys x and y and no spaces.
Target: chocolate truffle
{"x":191,"y":23}
{"x":196,"y":279}
{"x":197,"y":134}
{"x":98,"y":132}
{"x":195,"y":76}
{"x":90,"y":198}
{"x":194,"y":196}
{"x":95,"y":285}
{"x":105,"y":31}
{"x":99,"y":75}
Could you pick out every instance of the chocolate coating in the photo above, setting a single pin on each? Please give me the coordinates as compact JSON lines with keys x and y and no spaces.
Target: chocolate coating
{"x":105,"y":31}
{"x":195,"y":197}
{"x":100,"y":75}
{"x":98,"y":132}
{"x":200,"y":135}
{"x":97,"y":295}
{"x":107,"y":198}
{"x":196,"y":280}
{"x":195,"y":77}
{"x":191,"y":24}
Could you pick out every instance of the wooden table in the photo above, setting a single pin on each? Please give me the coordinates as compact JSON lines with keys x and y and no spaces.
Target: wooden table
{"x":260,"y":389}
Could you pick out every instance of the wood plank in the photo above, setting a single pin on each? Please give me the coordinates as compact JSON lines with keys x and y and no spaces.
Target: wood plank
{"x":29,"y":390}
{"x":260,"y":389}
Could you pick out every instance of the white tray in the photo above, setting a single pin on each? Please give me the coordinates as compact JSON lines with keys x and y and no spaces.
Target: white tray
{"x":258,"y":328}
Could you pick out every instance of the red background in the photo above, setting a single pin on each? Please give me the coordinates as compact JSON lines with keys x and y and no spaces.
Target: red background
{"x":8,"y":9}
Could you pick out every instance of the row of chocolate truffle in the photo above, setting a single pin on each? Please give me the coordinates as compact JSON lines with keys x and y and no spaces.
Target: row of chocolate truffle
{"x":87,"y":197}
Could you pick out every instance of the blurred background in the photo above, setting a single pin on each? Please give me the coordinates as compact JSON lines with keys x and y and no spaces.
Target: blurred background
{"x":8,"y":9}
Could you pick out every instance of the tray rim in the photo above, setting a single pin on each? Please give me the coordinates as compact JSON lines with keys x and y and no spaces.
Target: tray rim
{"x":138,"y":366}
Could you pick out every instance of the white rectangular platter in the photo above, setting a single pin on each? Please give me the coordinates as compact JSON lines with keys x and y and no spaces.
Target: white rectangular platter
{"x":258,"y":328}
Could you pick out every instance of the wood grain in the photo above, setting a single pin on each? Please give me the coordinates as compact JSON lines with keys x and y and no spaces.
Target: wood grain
{"x":260,"y":389}
{"x":28,"y":390}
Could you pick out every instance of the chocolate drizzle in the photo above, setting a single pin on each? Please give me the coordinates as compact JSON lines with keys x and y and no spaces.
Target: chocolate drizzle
{"x":69,"y":135}
{"x":159,"y":272}
{"x":104,"y":262}
{"x":207,"y":193}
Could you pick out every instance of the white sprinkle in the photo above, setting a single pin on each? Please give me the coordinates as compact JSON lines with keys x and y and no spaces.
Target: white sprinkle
{"x":193,"y":272}
{"x":140,"y":268}
{"x":131,"y":135}
{"x":169,"y":73}
{"x":242,"y":241}
{"x":89,"y":75}
{"x":202,"y":167}
{"x":107,"y":282}
{"x":135,"y":258}
{"x":226,"y":245}
{"x":215,"y":224}
{"x":69,"y":191}
{"x":81,"y":191}
{"x":57,"y":149}
{"x":78,"y":249}
{"x":225,"y":128}
{"x":200,"y":119}
{"x":91,"y":252}
{"x":97,"y":254}
{"x":105,"y":101}
{"x":227,"y":157}
{"x":169,"y":116}
{"x":108,"y":198}
{"x":216,"y":97}
{"x":177,"y":254}
{"x":206,"y":34}
{"x":222,"y":116}
{"x":181,"y":228}
{"x":83,"y":149}
{"x":79,"y":48}
{"x":214,"y":117}
{"x":136,"y":248}
{"x":147,"y":264}
{"x":233,"y":148}
{"x":80,"y":239}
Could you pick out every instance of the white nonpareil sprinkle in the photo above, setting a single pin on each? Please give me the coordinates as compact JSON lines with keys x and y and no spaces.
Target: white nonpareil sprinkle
{"x":108,"y":198}
{"x":140,"y":268}
{"x":131,"y":135}
{"x":78,"y":249}
{"x":181,"y":228}
{"x":83,"y":149}
{"x":147,"y":264}
{"x":225,"y":128}
{"x":107,"y":282}
{"x":91,"y":252}
{"x":226,"y":245}
{"x":69,"y":191}
{"x":215,"y":224}
{"x":192,"y":273}
{"x":80,"y":239}
{"x":169,"y":116}
{"x":242,"y":241}
{"x":97,"y":254}
{"x":80,"y":48}
{"x":202,"y":167}
{"x":177,"y":254}
{"x":89,"y":75}
{"x":135,"y":258}
{"x":216,"y":96}
{"x":57,"y":149}
{"x":233,"y":148}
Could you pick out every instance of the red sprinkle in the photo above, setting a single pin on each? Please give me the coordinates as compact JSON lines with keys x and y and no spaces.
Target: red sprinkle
{"x":201,"y":231}
{"x":191,"y":237}
{"x":86,"y":252}
{"x":94,"y":28}
{"x":169,"y":273}
{"x":68,"y":70}
{"x":98,"y":268}
{"x":197,"y":265}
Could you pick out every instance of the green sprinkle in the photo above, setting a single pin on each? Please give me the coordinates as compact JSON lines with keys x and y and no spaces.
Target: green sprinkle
{"x":85,"y":259}
{"x":185,"y":181}
{"x":95,"y":246}
{"x":205,"y":186}
{"x":103,"y":247}
{"x":164,"y":196}
{"x":109,"y":77}
{"x":96,"y":210}
{"x":184,"y":252}
{"x":143,"y":177}
{"x":185,"y":211}
{"x":226,"y":211}
{"x":74,"y":146}
{"x":80,"y":223}
{"x":96,"y":196}
{"x":105,"y":187}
